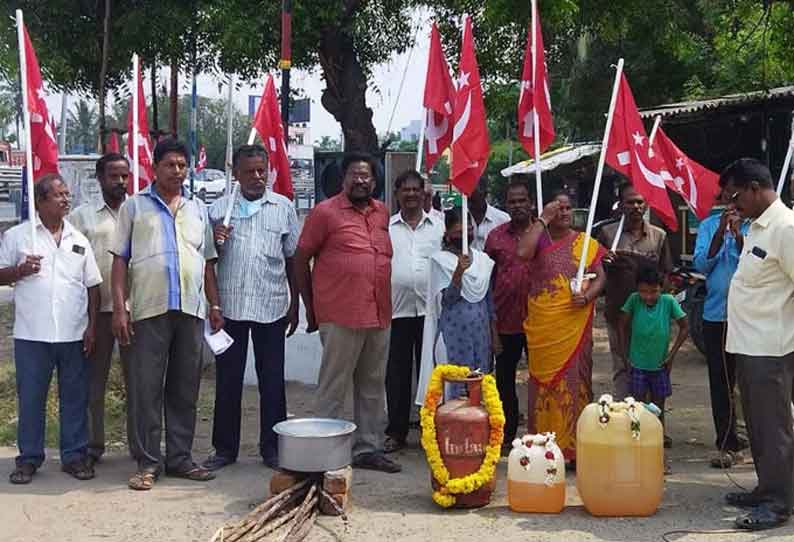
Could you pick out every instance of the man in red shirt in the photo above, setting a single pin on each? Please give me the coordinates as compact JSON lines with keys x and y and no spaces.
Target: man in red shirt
{"x":510,"y":292}
{"x":347,"y":294}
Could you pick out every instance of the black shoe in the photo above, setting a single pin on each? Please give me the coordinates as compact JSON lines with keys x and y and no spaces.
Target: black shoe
{"x":761,"y":518}
{"x":744,"y":499}
{"x":376,"y":461}
{"x":216,"y":462}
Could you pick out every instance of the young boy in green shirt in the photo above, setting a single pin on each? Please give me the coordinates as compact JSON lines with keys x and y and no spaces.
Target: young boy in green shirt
{"x":645,"y":335}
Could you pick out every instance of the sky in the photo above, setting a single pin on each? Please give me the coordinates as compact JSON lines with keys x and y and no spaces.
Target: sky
{"x":383,"y":96}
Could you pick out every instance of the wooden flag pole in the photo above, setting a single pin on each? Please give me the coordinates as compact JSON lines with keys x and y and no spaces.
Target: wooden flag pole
{"x":23,"y":73}
{"x":136,"y":168}
{"x":535,"y":118}
{"x":577,"y":286}
{"x":787,"y":162}
{"x":651,"y":138}
{"x":229,"y":134}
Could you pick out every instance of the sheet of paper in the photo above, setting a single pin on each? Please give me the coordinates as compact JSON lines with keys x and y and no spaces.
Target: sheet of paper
{"x":219,"y":342}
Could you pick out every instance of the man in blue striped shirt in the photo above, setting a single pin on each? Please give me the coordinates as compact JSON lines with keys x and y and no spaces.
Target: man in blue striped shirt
{"x":257,"y":290}
{"x":719,"y":243}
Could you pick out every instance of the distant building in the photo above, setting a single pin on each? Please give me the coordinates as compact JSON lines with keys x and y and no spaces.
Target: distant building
{"x":299,"y":144}
{"x":411,"y":132}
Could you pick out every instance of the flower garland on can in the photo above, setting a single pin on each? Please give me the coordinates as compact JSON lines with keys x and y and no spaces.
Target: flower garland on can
{"x":449,"y":487}
{"x":605,"y":405}
{"x":548,"y":441}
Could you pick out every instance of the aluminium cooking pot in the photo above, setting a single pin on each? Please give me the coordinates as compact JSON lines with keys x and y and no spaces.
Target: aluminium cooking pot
{"x":314,"y":444}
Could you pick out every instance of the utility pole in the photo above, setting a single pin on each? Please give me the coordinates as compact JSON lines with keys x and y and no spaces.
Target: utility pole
{"x":286,"y":61}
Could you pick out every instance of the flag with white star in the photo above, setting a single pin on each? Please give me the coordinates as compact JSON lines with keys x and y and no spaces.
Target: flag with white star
{"x":470,"y":145}
{"x":627,"y":152}
{"x":534,"y":102}
{"x":43,"y":140}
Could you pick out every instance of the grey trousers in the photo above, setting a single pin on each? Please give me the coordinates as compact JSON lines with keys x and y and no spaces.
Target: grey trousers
{"x":98,"y":370}
{"x":765,"y":385}
{"x":355,"y":357}
{"x":620,"y":367}
{"x":164,"y":366}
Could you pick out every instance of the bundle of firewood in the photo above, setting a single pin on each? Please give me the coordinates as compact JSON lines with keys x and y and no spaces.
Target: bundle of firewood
{"x":286,"y":517}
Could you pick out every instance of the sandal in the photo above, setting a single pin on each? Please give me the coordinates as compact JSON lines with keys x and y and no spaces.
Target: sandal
{"x":23,"y":474}
{"x":142,"y":480}
{"x":761,"y":518}
{"x":727,"y":459}
{"x":79,"y":470}
{"x":195,"y":473}
{"x":744,"y":499}
{"x":392,"y":445}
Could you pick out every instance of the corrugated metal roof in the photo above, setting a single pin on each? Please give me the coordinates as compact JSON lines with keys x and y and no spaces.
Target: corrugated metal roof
{"x":696,"y":106}
{"x":555,"y":158}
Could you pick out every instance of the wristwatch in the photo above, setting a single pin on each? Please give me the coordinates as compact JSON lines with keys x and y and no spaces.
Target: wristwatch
{"x":216,"y":308}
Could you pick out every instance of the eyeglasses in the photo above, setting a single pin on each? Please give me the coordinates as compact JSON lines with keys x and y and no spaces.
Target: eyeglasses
{"x":733,"y":197}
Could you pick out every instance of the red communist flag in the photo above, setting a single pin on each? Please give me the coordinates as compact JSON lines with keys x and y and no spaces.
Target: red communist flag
{"x":42,"y":133}
{"x":534,"y":102}
{"x":113,"y":142}
{"x":438,"y":100}
{"x":698,"y":185}
{"x":470,"y":144}
{"x":267,"y":123}
{"x":627,"y":153}
{"x":145,"y":157}
{"x":202,"y":159}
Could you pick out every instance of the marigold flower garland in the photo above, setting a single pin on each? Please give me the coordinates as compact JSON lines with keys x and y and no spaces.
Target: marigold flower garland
{"x":449,"y":487}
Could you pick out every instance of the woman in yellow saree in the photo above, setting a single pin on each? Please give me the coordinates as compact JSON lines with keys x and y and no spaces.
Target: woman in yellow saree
{"x":559,"y":324}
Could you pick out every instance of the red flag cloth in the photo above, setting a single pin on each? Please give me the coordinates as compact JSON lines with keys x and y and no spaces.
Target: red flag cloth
{"x":145,"y":157}
{"x":42,"y":132}
{"x":438,"y":101}
{"x":113,"y":143}
{"x":534,"y":101}
{"x":698,"y":185}
{"x":627,"y":153}
{"x":470,"y":146}
{"x":267,"y":123}
{"x":202,"y":159}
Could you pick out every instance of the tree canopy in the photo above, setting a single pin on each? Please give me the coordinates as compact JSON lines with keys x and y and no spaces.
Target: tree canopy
{"x":674,"y":49}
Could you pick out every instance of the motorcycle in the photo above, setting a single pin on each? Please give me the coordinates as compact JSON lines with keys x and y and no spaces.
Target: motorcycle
{"x":689,"y":288}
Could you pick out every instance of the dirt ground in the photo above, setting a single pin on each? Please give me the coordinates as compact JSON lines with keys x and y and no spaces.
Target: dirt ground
{"x":386,"y":507}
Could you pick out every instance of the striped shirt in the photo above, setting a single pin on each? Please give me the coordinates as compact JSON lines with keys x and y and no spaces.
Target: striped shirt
{"x":166,"y":254}
{"x":252,"y":263}
{"x":97,"y":221}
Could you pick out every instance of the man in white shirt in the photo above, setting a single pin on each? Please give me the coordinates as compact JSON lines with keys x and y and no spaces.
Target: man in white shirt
{"x":56,"y":297}
{"x":415,"y":235}
{"x":97,"y":221}
{"x":486,"y":216}
{"x":761,"y":336}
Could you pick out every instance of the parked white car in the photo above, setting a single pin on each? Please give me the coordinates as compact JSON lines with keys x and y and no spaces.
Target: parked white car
{"x":208,"y":185}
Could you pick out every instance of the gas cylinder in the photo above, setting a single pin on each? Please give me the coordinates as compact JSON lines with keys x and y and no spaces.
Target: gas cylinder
{"x":619,"y":458}
{"x":536,"y":475}
{"x":462,"y":432}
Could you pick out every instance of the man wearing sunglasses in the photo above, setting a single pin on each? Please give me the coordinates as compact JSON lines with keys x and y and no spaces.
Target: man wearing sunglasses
{"x":761,"y":336}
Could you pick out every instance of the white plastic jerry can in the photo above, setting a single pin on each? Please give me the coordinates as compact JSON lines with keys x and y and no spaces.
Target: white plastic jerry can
{"x":536,"y":475}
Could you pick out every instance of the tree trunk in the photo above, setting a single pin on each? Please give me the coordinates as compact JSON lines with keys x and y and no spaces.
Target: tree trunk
{"x":345,"y":93}
{"x":103,"y":71}
{"x":173,"y":118}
